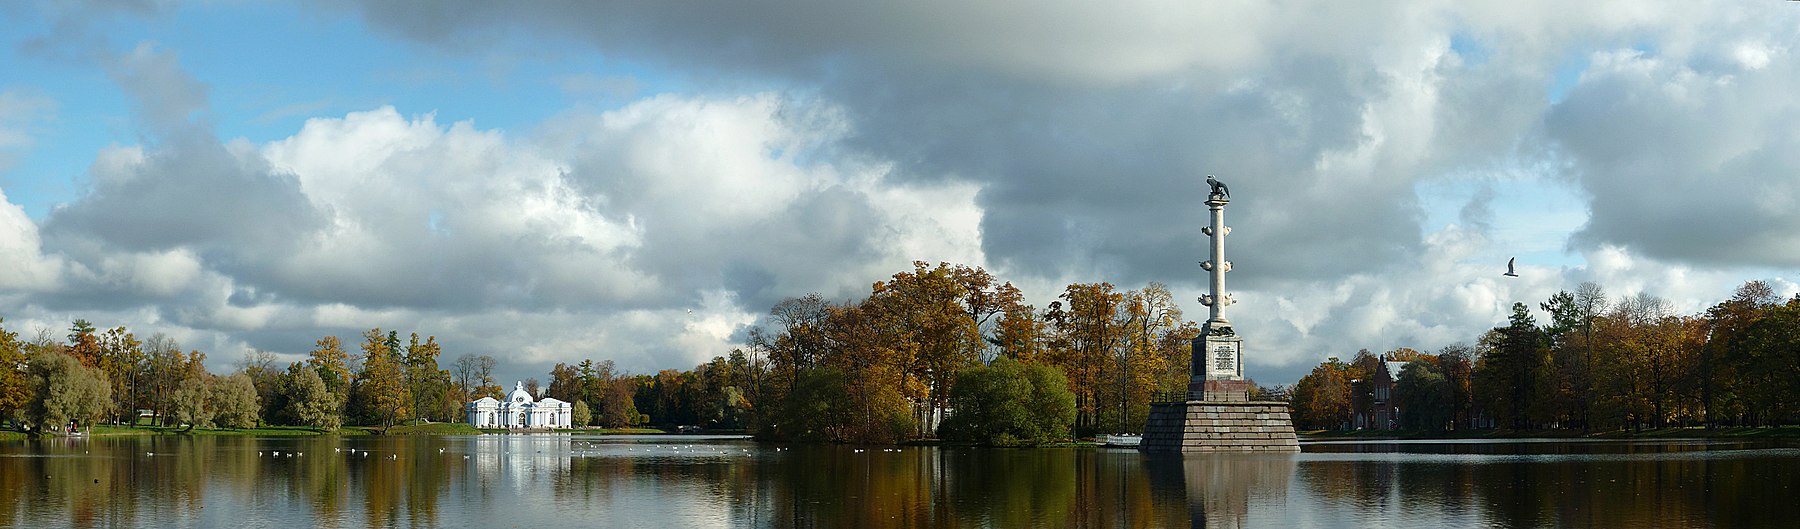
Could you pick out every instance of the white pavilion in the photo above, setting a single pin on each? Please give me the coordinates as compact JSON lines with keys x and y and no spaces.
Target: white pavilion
{"x":519,"y":410}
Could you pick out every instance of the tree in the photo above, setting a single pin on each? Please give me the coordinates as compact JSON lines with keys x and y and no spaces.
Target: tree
{"x":1086,"y":334}
{"x":383,"y":381}
{"x":333,"y":364}
{"x":234,"y":401}
{"x":982,"y":299}
{"x":1322,"y":398}
{"x":1513,"y":368}
{"x":63,"y":390}
{"x":426,"y":383}
{"x":928,"y":325}
{"x":580,"y":414}
{"x":1426,"y":396}
{"x":1150,"y":313}
{"x":618,"y":408}
{"x":1020,"y":334}
{"x":1457,"y":363}
{"x":193,"y":403}
{"x":798,"y":341}
{"x":310,"y":403}
{"x":15,"y":389}
{"x":1727,"y":325}
{"x":259,"y":365}
{"x":83,"y":344}
{"x":121,"y":357}
{"x":164,"y":373}
{"x":565,"y":383}
{"x":1007,"y":403}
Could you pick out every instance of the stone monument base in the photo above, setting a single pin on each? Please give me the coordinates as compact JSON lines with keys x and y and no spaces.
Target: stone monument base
{"x":1213,"y":426}
{"x":1220,"y":390}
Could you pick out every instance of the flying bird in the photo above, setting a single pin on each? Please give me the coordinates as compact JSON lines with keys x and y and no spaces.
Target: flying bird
{"x":1509,"y":268}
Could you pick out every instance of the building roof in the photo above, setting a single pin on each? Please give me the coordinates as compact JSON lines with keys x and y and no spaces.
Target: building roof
{"x":519,"y":392}
{"x":1393,"y":369}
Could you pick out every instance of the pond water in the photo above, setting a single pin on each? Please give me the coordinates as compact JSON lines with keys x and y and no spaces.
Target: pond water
{"x":534,"y":481}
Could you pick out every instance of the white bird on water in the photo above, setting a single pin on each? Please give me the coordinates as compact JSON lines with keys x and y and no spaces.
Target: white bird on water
{"x":1509,"y":268}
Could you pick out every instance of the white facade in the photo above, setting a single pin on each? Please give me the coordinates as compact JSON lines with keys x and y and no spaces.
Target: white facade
{"x":519,"y":410}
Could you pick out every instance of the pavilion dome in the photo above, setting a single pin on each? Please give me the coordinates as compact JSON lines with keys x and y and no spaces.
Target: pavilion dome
{"x":519,"y":395}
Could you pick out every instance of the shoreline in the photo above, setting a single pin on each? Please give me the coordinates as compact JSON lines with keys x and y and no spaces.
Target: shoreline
{"x":1694,"y":432}
{"x":300,"y":431}
{"x":1773,"y":432}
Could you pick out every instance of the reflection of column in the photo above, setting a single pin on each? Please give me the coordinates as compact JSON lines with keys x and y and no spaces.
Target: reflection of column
{"x":1221,"y":488}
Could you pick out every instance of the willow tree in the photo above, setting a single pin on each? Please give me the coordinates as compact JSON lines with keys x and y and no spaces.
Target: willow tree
{"x":63,"y":390}
{"x":235,"y":403}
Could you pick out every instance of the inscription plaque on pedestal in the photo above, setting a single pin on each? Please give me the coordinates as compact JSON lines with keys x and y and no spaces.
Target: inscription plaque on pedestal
{"x":1224,"y":359}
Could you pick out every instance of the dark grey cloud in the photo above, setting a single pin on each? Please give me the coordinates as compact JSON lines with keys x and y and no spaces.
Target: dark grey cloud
{"x":1688,"y":157}
{"x":1089,"y":161}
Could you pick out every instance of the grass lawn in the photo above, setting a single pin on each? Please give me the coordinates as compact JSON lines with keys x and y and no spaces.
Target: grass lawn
{"x":104,"y":430}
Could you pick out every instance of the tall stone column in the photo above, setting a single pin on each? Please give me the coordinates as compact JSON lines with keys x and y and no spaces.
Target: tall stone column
{"x":1218,"y":415}
{"x":1217,"y":372}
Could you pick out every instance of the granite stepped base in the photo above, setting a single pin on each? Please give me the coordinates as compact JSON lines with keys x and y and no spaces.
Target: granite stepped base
{"x":1210,"y":426}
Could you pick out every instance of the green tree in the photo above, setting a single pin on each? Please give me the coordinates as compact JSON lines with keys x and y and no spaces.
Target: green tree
{"x":235,"y":403}
{"x":64,"y":390}
{"x":1425,"y":395}
{"x":580,"y":414}
{"x":193,"y":402}
{"x":426,"y":383}
{"x":1512,"y":369}
{"x":309,"y":402}
{"x":1007,"y":404}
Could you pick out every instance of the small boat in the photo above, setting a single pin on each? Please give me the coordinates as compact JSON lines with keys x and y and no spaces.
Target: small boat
{"x":1121,"y":440}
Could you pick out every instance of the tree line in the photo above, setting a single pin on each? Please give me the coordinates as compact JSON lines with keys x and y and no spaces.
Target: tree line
{"x":889,"y":366}
{"x":1597,"y":364}
{"x":48,"y":384}
{"x":880,"y":369}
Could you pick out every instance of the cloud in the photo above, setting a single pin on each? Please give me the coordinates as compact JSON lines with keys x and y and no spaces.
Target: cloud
{"x":651,"y":234}
{"x":1052,"y":143}
{"x":20,"y":113}
{"x":26,"y":267}
{"x":1686,"y":156}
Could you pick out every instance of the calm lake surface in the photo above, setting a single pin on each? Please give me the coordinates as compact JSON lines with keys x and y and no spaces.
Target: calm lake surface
{"x":535,"y":481}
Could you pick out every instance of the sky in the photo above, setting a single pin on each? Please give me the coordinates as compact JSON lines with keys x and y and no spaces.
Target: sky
{"x":554,"y":181}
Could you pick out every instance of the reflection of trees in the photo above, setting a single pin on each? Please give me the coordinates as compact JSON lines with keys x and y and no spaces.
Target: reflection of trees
{"x":109,"y":482}
{"x":1558,"y":484}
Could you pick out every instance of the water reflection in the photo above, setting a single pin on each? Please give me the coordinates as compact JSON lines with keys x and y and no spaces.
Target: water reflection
{"x":1222,"y":490}
{"x":560,"y":480}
